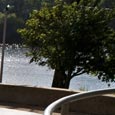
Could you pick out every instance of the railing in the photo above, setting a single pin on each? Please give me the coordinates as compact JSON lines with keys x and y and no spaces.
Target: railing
{"x":63,"y":102}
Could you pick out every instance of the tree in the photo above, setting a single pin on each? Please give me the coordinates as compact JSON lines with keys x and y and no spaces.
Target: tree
{"x":72,"y":39}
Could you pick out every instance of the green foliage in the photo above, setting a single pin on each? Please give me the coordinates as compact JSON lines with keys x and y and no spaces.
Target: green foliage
{"x":74,"y":38}
{"x":22,"y":8}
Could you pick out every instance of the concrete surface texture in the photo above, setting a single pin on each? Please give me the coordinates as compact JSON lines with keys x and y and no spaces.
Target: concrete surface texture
{"x":34,"y":100}
{"x":6,"y":111}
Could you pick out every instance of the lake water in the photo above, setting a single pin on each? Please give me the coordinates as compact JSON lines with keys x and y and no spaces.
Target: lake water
{"x":18,"y":71}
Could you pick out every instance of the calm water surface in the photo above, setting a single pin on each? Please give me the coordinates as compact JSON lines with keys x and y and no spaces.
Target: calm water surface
{"x":18,"y":71}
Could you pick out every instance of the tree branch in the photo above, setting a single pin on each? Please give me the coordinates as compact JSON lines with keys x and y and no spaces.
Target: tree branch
{"x":78,"y":73}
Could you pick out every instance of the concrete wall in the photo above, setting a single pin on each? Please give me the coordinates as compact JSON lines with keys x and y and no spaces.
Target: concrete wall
{"x":42,"y":97}
{"x":31,"y":95}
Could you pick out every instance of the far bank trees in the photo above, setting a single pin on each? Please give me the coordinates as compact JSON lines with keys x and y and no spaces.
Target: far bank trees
{"x":72,"y":39}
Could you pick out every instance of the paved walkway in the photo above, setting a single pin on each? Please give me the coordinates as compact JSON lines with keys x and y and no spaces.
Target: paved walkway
{"x":7,"y":111}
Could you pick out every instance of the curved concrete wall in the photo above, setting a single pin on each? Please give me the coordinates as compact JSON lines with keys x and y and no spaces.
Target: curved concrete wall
{"x":42,"y":97}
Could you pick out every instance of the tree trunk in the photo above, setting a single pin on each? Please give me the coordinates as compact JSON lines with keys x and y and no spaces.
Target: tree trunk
{"x":60,"y":80}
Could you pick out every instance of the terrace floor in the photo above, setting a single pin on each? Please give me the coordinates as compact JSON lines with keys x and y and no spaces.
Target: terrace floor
{"x":7,"y":111}
{"x":18,"y":109}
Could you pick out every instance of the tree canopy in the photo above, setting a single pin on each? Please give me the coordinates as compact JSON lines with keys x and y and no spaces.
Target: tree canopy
{"x":22,"y":13}
{"x":73,"y":39}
